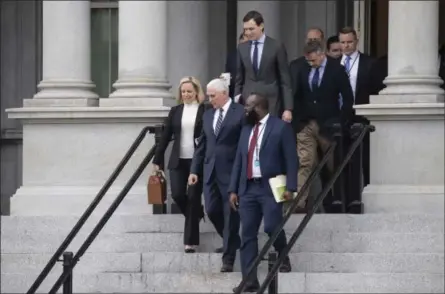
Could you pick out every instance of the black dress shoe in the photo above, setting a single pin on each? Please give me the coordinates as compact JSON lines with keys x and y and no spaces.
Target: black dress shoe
{"x":189,"y":250}
{"x":219,"y":250}
{"x":285,"y":266}
{"x":227,"y":268}
{"x":248,"y":289}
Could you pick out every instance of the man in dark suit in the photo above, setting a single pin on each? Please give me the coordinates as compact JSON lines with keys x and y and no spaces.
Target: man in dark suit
{"x":358,"y":67}
{"x":216,"y":153}
{"x":298,"y":65}
{"x":262,"y":68}
{"x":231,"y":65}
{"x":266,"y":149}
{"x":318,"y":86}
{"x":379,"y":71}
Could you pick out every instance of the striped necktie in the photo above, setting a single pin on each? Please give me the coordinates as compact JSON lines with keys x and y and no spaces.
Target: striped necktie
{"x":219,"y":121}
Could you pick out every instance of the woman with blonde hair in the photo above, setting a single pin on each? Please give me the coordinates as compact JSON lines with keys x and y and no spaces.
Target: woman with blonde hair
{"x":184,"y":124}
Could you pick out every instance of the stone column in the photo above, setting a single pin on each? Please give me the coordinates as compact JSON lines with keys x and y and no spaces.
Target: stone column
{"x":407,"y":148}
{"x":413,"y":52}
{"x":188,"y":41}
{"x":270,"y":11}
{"x":66,"y":56}
{"x":142,"y":77}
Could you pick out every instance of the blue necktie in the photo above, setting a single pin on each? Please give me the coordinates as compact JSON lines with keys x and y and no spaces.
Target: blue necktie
{"x":219,"y":121}
{"x":315,"y":79}
{"x":255,"y":57}
{"x":347,"y":63}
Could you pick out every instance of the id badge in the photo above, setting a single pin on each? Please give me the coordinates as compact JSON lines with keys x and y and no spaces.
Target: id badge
{"x":257,"y":163}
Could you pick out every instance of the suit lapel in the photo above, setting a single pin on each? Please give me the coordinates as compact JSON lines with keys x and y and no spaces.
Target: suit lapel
{"x":245,"y":50}
{"x":326,"y":72}
{"x":269,"y":127}
{"x":178,"y":118}
{"x":361,"y":72}
{"x":226,"y":118}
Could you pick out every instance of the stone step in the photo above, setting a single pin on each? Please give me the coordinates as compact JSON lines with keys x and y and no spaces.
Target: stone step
{"x":223,"y":283}
{"x":310,"y":241}
{"x":368,"y":223}
{"x":179,"y":262}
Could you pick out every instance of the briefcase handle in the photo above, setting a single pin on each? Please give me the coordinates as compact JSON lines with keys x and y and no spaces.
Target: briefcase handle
{"x":158,"y":173}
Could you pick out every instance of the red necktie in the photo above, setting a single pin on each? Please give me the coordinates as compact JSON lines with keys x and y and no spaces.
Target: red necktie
{"x":252,"y":146}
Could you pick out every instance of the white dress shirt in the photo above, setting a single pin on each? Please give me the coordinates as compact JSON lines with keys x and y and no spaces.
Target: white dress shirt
{"x":187,"y":146}
{"x":260,"y":46}
{"x":225,"y":109}
{"x":352,"y":70}
{"x":256,"y":170}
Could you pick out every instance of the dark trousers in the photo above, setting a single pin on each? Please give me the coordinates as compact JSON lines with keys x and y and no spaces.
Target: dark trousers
{"x":258,"y":203}
{"x":225,"y":219}
{"x":188,"y":200}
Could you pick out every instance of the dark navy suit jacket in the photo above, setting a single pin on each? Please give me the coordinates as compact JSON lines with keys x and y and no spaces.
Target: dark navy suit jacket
{"x":278,"y":156}
{"x":217,"y":153}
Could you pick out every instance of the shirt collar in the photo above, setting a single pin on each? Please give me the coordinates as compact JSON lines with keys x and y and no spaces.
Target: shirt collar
{"x":191,"y":105}
{"x":323,"y":64}
{"x":353,"y":56}
{"x":260,"y":40}
{"x":227,"y":105}
{"x":264,"y":120}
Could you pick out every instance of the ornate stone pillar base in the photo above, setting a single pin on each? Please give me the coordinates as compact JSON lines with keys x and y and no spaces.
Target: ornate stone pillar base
{"x":70,"y":152}
{"x":407,"y":158}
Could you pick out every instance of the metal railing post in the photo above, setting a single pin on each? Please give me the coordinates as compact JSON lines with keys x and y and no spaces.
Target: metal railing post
{"x":68,"y":283}
{"x":338,"y":204}
{"x":354,"y":203}
{"x":273,"y":286}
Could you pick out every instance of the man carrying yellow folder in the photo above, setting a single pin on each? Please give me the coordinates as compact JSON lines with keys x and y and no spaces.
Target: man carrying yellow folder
{"x":266,"y":149}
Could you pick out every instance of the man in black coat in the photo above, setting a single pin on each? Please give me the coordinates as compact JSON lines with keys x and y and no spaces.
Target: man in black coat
{"x":231,"y":65}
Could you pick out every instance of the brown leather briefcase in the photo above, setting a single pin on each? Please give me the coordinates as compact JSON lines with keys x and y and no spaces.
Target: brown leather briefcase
{"x":157,"y":188}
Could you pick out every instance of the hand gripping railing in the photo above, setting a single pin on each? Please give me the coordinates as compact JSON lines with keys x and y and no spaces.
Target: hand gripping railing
{"x":69,"y":260}
{"x":272,"y":274}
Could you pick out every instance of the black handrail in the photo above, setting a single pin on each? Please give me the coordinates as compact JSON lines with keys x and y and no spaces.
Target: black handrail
{"x":308,"y":216}
{"x":84,"y":247}
{"x":75,"y":230}
{"x":310,"y":180}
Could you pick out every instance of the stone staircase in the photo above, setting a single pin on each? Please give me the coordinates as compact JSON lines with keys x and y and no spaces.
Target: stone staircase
{"x":371,"y":253}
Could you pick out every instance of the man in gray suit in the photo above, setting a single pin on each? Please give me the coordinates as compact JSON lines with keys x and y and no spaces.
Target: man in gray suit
{"x":262,"y":68}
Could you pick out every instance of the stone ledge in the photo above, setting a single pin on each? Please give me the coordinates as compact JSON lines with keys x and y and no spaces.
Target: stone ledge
{"x":403,"y":199}
{"x":149,"y":114}
{"x":402,"y":111}
{"x":137,"y":102}
{"x":61,"y":102}
{"x":404,"y":98}
{"x":63,"y":201}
